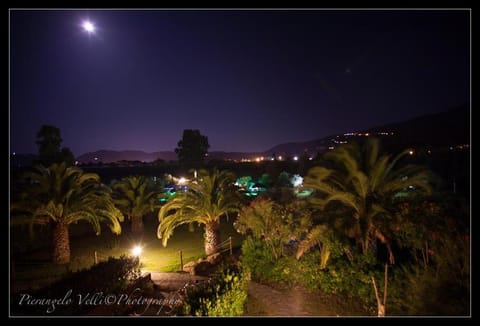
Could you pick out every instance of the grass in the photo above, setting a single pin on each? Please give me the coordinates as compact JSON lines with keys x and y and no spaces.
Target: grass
{"x":35,"y":265}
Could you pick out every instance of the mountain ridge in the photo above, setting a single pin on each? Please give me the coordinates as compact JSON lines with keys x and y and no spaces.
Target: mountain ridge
{"x":445,"y":128}
{"x":421,"y":130}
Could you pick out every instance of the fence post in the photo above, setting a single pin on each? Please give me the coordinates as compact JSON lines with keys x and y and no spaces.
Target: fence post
{"x":181,"y":260}
{"x":95,"y":258}
{"x":230,"y":243}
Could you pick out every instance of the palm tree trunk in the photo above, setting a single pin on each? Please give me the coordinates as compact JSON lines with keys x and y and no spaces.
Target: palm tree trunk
{"x":212,"y":237}
{"x":61,"y":244}
{"x":380,"y":236}
{"x":137,"y":225}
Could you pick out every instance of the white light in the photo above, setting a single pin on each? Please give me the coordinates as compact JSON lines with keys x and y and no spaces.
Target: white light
{"x":410,"y":152}
{"x":296,"y":180}
{"x":295,"y":158}
{"x":137,"y":251}
{"x":88,"y":27}
{"x":182,"y":181}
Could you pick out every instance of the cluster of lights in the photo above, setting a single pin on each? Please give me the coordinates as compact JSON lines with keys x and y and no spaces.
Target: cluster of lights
{"x":367,"y":134}
{"x":262,"y":158}
{"x":463,"y":146}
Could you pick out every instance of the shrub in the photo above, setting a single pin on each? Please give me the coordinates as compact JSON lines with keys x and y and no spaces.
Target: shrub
{"x":224,"y":295}
{"x":111,"y":277}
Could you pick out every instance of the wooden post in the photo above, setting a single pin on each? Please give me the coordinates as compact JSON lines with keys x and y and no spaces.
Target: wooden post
{"x":230,"y":243}
{"x":385,"y":289}
{"x":181,"y":260}
{"x":380,"y":306}
{"x":95,"y":258}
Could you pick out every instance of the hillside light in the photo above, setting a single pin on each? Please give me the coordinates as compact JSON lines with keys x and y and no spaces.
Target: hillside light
{"x":410,"y":152}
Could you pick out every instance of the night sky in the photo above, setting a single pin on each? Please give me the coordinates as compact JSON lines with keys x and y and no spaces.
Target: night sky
{"x":249,"y":80}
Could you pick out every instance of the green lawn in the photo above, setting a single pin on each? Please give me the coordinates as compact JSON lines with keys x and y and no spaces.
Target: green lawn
{"x":155,"y":257}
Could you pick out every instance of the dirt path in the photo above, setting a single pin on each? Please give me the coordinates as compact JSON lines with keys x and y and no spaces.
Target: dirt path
{"x":272,"y":302}
{"x":172,"y":281}
{"x":268,"y":301}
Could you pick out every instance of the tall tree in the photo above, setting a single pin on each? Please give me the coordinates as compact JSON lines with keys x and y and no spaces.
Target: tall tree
{"x":207,"y":200}
{"x":135,"y":198}
{"x":366,"y":183}
{"x":49,"y":151}
{"x":192,"y":148}
{"x":59,"y":196}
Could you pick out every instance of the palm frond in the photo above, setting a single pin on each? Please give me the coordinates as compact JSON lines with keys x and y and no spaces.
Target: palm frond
{"x":207,"y":200}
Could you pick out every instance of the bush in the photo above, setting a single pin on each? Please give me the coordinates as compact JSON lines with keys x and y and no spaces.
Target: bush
{"x":224,"y":295}
{"x":257,"y":258}
{"x":342,"y":276}
{"x":111,"y":277}
{"x":440,"y":288}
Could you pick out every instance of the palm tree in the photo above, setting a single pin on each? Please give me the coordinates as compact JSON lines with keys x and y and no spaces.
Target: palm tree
{"x":134,"y":198}
{"x":319,"y":236}
{"x":59,"y":196}
{"x":207,"y":200}
{"x":366,"y":183}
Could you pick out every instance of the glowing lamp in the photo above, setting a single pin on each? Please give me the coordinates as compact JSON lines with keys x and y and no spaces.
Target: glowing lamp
{"x":182,"y":181}
{"x":137,"y":251}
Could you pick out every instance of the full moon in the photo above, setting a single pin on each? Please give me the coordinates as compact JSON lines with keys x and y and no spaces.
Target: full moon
{"x":88,"y":27}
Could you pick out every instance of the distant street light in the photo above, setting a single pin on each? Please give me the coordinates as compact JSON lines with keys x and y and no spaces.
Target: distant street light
{"x":182,"y":181}
{"x":137,"y":251}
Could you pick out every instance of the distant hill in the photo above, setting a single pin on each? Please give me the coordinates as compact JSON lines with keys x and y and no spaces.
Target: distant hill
{"x":219,"y":155}
{"x":437,"y":130}
{"x":108,"y":156}
{"x":290,"y":149}
{"x":441,"y":129}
